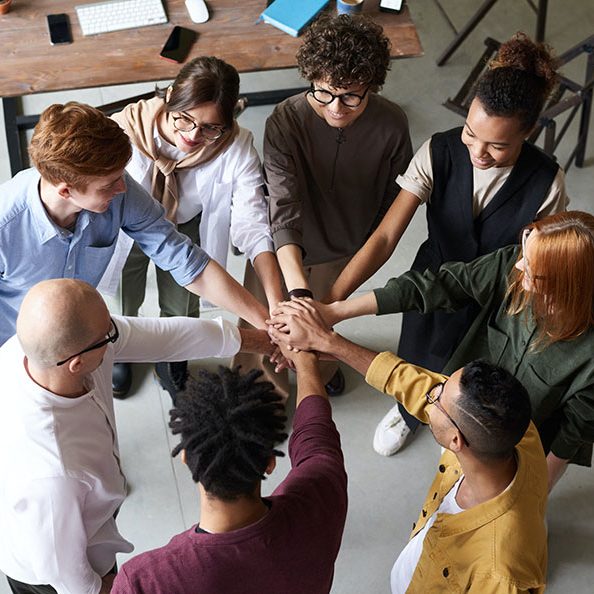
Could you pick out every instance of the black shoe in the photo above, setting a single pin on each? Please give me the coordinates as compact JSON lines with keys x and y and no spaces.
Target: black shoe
{"x":121,"y":380}
{"x":335,"y":387}
{"x":172,"y":377}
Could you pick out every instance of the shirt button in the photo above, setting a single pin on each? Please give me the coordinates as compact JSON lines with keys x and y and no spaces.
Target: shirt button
{"x":414,"y":525}
{"x":442,"y":468}
{"x":435,"y":495}
{"x":424,"y":513}
{"x":445,"y":572}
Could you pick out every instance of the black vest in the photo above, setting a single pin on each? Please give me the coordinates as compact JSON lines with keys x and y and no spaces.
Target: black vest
{"x":454,"y":234}
{"x":430,"y":339}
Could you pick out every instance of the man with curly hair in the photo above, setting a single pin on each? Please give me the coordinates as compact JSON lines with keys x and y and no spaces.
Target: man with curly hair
{"x":230,"y":425}
{"x":331,"y":157}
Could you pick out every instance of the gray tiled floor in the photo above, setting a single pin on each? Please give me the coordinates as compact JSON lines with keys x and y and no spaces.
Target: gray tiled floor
{"x":385,"y":493}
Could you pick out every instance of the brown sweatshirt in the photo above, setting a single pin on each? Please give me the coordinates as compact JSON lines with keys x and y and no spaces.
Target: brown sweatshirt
{"x":329,"y":187}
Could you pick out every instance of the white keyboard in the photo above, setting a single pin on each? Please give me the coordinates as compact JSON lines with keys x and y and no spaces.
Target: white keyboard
{"x":103,"y":17}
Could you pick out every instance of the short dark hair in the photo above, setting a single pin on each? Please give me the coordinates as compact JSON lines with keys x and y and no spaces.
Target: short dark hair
{"x":229,"y":425}
{"x":493,"y":409}
{"x":345,"y":50}
{"x":519,"y":80}
{"x":202,"y":80}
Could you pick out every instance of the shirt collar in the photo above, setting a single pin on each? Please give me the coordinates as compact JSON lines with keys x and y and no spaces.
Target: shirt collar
{"x":45,"y":228}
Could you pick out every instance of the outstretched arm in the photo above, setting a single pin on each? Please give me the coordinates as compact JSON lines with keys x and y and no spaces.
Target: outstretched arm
{"x":377,"y":249}
{"x":269,"y":274}
{"x":216,"y":285}
{"x":290,"y":259}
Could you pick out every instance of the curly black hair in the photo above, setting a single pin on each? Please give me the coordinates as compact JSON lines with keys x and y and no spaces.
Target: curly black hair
{"x":493,"y":409}
{"x":519,"y":80}
{"x":229,"y":425}
{"x":343,"y":50}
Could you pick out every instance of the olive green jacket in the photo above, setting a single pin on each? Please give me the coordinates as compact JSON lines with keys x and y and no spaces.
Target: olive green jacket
{"x":558,"y":377}
{"x":497,"y":547}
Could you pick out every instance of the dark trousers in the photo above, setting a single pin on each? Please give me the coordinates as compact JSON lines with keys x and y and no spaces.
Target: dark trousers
{"x":20,"y":588}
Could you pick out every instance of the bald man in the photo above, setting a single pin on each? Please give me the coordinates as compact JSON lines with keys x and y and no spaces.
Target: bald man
{"x":58,"y":439}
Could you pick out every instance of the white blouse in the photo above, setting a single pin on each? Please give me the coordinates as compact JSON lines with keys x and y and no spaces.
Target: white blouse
{"x":227,"y":190}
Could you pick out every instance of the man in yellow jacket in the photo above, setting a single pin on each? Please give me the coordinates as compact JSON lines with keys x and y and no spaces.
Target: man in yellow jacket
{"x":481,"y":528}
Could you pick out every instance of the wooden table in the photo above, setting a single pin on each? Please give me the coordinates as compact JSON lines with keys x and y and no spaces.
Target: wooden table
{"x":31,"y":65}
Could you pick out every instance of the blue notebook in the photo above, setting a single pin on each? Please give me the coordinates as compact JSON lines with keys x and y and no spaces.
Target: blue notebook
{"x":292,"y":16}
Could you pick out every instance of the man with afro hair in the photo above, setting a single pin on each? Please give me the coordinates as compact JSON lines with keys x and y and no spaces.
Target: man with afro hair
{"x":230,"y":425}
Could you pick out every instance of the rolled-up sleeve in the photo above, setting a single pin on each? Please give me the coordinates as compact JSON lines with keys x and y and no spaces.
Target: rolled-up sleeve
{"x":577,"y":427}
{"x":143,"y":219}
{"x":285,"y":205}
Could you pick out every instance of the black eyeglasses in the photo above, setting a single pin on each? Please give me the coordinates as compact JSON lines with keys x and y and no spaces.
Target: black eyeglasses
{"x":111,"y":336}
{"x":208,"y":132}
{"x":433,"y":397}
{"x":347,"y":99}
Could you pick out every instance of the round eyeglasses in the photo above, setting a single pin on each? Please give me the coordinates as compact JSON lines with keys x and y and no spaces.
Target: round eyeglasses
{"x":208,"y":132}
{"x":433,"y":397}
{"x":111,"y":336}
{"x":347,"y":99}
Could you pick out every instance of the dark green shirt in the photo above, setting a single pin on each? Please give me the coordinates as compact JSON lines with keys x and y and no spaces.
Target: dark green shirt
{"x":559,"y":377}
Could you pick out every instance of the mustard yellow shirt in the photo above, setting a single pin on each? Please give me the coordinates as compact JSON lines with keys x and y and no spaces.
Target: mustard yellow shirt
{"x":497,"y":547}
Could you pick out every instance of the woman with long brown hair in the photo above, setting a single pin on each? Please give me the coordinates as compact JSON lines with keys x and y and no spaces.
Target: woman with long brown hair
{"x":536,"y":319}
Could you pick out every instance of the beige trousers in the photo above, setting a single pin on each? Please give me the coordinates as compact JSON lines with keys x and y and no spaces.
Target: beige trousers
{"x":321,"y":277}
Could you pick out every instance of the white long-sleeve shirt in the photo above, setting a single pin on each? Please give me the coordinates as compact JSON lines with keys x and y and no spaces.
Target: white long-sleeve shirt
{"x":62,"y":480}
{"x":228,"y":191}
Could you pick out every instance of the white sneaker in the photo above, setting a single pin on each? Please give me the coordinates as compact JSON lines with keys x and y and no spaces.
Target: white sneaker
{"x":391,"y":433}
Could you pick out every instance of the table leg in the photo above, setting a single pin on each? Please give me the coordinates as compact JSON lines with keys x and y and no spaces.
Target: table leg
{"x":10,"y":108}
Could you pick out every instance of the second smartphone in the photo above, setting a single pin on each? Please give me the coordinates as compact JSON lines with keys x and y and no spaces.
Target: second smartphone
{"x":178,"y":44}
{"x":59,"y":28}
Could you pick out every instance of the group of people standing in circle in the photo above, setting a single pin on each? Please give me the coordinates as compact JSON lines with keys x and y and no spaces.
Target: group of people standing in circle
{"x":505,"y":276}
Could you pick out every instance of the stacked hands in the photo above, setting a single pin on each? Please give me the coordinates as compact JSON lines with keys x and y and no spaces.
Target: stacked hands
{"x":301,"y":324}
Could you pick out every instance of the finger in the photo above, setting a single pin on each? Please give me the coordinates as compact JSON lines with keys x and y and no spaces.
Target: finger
{"x":277,"y":336}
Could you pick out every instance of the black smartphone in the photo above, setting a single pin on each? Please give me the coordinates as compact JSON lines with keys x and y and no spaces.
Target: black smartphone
{"x":59,"y":28}
{"x":178,"y":44}
{"x":394,"y":6}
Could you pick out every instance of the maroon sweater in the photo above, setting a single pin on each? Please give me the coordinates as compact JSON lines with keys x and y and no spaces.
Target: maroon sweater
{"x":291,"y":550}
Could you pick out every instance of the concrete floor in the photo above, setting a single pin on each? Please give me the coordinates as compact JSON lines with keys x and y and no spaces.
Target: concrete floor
{"x":385,"y":493}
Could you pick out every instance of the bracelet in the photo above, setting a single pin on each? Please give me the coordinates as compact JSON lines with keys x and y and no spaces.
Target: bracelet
{"x":300,"y":293}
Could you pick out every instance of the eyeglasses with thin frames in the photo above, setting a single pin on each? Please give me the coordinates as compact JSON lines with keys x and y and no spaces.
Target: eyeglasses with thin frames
{"x":111,"y":336}
{"x":207,"y":132}
{"x":347,"y":99}
{"x":433,"y":397}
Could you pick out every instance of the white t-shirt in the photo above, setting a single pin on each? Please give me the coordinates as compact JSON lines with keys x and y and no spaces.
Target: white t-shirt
{"x":418,"y":179}
{"x":405,"y":565}
{"x":59,"y":458}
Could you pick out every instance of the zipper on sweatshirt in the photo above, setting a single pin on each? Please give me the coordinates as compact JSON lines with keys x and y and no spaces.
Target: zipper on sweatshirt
{"x":340,"y":138}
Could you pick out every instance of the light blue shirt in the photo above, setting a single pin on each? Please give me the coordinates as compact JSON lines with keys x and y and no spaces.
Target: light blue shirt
{"x":34,"y":248}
